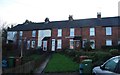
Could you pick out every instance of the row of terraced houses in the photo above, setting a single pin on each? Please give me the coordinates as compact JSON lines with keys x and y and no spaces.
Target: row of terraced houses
{"x":66,"y":34}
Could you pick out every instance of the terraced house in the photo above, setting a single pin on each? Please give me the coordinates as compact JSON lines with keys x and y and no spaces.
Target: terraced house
{"x":66,"y":34}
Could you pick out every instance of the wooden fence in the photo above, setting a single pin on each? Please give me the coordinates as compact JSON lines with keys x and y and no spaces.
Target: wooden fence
{"x":27,"y":67}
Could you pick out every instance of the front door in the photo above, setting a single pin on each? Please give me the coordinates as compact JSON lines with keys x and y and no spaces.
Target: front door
{"x":44,"y":45}
{"x":53,"y":44}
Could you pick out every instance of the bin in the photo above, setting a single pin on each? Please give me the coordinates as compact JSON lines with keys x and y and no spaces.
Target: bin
{"x":83,"y":58}
{"x":4,"y":63}
{"x":11,"y":62}
{"x":86,"y":67}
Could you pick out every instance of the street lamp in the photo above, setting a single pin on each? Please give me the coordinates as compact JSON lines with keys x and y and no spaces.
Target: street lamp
{"x":21,"y":51}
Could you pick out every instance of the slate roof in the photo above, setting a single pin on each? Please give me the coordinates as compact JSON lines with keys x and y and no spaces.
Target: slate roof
{"x":92,"y":22}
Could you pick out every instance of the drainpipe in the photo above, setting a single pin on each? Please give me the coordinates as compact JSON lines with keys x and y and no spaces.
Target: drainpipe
{"x":81,"y":38}
{"x":21,"y":51}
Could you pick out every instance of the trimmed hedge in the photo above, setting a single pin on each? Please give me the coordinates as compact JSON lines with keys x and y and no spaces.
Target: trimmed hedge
{"x":111,"y":47}
{"x":98,"y":57}
{"x":114,"y":52}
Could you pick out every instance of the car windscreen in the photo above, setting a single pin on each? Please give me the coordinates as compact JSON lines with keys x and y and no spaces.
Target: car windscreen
{"x":117,"y":69}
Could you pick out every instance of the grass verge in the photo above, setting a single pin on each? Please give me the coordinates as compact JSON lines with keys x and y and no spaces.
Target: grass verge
{"x":61,"y":63}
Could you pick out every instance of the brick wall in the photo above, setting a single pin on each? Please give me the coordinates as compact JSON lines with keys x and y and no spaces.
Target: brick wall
{"x":28,"y":36}
{"x":100,"y":35}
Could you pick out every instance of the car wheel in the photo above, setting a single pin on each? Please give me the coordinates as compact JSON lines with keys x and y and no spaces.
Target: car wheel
{"x":93,"y":73}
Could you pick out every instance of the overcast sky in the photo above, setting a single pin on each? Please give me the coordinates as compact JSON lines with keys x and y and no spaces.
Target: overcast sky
{"x":17,"y":11}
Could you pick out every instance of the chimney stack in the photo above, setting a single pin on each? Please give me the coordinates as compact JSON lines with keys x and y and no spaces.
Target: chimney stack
{"x":70,"y":18}
{"x":47,"y":20}
{"x":98,"y":15}
{"x":11,"y":26}
{"x":8,"y":28}
{"x":26,"y":21}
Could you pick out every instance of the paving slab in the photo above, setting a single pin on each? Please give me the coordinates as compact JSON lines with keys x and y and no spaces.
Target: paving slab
{"x":39,"y":70}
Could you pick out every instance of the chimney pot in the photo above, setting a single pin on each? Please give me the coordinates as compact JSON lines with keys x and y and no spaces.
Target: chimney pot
{"x":11,"y":26}
{"x":70,"y":17}
{"x":47,"y":20}
{"x":99,"y":15}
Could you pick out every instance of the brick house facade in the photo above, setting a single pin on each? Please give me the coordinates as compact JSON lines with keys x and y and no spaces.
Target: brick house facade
{"x":60,"y":35}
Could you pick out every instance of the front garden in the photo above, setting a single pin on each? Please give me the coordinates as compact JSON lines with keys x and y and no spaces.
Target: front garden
{"x":69,"y":60}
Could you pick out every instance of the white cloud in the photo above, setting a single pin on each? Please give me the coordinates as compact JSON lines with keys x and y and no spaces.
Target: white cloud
{"x":17,"y":11}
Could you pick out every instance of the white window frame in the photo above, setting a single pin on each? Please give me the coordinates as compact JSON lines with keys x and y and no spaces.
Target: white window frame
{"x":28,"y":44}
{"x":72,"y":31}
{"x":93,"y":45}
{"x":119,"y":42}
{"x":92,"y":31}
{"x":12,"y":35}
{"x":32,"y":44}
{"x":59,"y":32}
{"x":71,"y":44}
{"x":34,"y":33}
{"x":21,"y":33}
{"x":108,"y":30}
{"x":44,"y":45}
{"x":108,"y":42}
{"x":59,"y":44}
{"x":83,"y":43}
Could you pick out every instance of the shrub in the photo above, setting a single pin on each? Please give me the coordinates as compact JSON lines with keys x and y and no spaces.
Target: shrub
{"x":111,"y":47}
{"x":100,"y":57}
{"x":114,"y":52}
{"x":70,"y":52}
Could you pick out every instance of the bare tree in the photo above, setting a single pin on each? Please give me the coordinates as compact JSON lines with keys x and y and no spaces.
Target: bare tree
{"x":4,"y":31}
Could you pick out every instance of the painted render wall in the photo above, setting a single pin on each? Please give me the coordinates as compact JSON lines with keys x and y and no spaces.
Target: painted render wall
{"x":42,"y":34}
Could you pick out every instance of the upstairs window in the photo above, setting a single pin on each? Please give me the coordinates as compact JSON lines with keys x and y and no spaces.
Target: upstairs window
{"x":92,"y":31}
{"x":59,"y":44}
{"x":108,"y":42}
{"x":108,"y":31}
{"x":59,"y":32}
{"x":20,"y":34}
{"x":12,"y":36}
{"x":71,"y":31}
{"x":34,"y":33}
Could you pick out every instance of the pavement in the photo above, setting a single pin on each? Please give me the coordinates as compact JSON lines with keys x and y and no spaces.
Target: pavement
{"x":39,"y":70}
{"x":69,"y":73}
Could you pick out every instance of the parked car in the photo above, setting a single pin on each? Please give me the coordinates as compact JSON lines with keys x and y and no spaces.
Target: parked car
{"x":110,"y":67}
